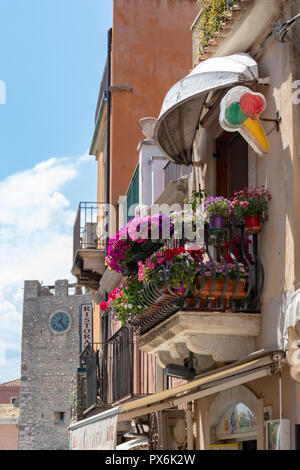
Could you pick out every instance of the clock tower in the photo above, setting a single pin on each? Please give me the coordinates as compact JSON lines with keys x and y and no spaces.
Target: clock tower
{"x":50,"y":357}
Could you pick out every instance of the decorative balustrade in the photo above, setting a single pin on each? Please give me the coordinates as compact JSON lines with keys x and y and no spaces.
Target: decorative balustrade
{"x":229,"y":278}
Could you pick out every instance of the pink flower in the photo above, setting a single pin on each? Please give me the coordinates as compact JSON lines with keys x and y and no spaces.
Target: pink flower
{"x":103,"y":306}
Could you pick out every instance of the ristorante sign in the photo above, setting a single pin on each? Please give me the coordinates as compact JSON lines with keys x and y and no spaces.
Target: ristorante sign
{"x":86,"y":325}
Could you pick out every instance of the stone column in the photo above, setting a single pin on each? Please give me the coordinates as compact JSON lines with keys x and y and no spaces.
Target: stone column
{"x":32,"y":289}
{"x":61,"y":288}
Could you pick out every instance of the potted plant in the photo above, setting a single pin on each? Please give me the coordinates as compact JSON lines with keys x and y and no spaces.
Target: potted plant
{"x":217,"y":207}
{"x":219,"y":271}
{"x":251,"y":204}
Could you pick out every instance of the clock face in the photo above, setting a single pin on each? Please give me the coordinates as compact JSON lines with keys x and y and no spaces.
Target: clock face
{"x":60,"y":322}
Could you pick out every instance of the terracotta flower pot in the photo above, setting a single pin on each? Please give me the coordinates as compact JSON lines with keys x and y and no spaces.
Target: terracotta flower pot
{"x":252,"y":223}
{"x":219,"y":287}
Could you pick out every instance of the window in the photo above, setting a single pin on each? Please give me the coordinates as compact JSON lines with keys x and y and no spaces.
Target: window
{"x":59,"y":417}
{"x":13,"y":400}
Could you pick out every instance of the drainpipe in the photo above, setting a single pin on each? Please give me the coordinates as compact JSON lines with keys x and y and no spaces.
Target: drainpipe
{"x":189,"y":427}
{"x":108,"y":97}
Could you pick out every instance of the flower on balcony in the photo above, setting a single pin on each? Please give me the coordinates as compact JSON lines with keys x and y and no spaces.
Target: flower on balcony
{"x":237,"y":250}
{"x":125,"y":299}
{"x":217,"y":206}
{"x":219,"y":269}
{"x":179,"y":262}
{"x":104,"y":306}
{"x":137,"y":231}
{"x":250,"y":201}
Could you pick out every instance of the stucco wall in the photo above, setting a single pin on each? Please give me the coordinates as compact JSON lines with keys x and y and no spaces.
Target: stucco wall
{"x":151,"y":50}
{"x":6,"y":393}
{"x":8,"y":437}
{"x":279,"y":170}
{"x":266,"y":389}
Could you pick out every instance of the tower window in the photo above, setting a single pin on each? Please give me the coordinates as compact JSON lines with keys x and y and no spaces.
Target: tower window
{"x":59,"y":417}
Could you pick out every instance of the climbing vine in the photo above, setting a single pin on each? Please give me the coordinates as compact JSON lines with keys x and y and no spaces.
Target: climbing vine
{"x":211,"y":19}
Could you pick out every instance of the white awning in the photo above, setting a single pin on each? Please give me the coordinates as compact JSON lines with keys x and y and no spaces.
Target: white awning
{"x":255,"y":366}
{"x":98,"y":432}
{"x":182,"y":107}
{"x":133,"y":444}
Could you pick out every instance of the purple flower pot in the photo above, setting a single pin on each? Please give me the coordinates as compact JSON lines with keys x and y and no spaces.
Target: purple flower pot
{"x":216,"y":224}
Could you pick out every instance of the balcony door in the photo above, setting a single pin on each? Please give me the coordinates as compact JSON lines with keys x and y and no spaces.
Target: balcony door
{"x":231,"y":164}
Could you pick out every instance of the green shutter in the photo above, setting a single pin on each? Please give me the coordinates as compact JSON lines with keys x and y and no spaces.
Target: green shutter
{"x":133,"y":193}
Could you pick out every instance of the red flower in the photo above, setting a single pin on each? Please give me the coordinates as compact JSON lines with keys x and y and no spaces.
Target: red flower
{"x":103,"y":306}
{"x":171,"y":252}
{"x":196,"y":254}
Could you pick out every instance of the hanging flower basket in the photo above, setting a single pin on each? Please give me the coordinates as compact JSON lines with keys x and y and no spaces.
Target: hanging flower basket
{"x":137,"y":241}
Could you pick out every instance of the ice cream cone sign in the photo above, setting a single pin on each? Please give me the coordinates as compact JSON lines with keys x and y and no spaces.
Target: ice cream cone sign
{"x":240,"y":111}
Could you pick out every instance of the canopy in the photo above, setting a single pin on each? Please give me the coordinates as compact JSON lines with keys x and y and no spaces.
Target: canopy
{"x":98,"y":432}
{"x":182,"y":107}
{"x":255,"y":366}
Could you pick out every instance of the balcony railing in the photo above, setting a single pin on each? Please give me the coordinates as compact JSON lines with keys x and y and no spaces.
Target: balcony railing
{"x":172,"y":172}
{"x":163,"y":297}
{"x":116,"y":369}
{"x":89,"y":227}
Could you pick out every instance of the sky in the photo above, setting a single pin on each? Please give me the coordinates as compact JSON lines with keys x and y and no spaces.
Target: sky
{"x":52,"y":54}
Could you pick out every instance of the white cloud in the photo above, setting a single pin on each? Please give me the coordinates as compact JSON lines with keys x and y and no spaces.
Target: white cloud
{"x":36,"y":242}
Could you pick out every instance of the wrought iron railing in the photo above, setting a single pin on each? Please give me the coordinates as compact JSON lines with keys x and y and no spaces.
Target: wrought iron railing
{"x":168,"y":292}
{"x":114,"y":369}
{"x":89,"y":230}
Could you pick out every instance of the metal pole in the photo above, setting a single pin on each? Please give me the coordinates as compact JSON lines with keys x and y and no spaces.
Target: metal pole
{"x":189,"y":427}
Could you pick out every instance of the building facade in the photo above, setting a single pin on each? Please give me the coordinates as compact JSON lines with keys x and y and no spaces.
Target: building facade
{"x":9,"y":414}
{"x":157,"y":54}
{"x":50,"y":355}
{"x":226,"y":364}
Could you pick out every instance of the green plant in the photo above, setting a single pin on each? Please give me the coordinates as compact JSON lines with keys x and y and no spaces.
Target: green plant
{"x":197,"y":198}
{"x":125,"y":299}
{"x":211,"y":18}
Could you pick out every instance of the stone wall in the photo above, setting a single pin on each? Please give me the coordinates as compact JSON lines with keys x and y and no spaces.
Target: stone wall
{"x":49,"y":360}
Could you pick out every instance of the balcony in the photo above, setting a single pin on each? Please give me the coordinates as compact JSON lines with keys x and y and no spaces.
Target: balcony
{"x":89,"y":245}
{"x":225,"y":27}
{"x":173,"y":172}
{"x":218,"y":322}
